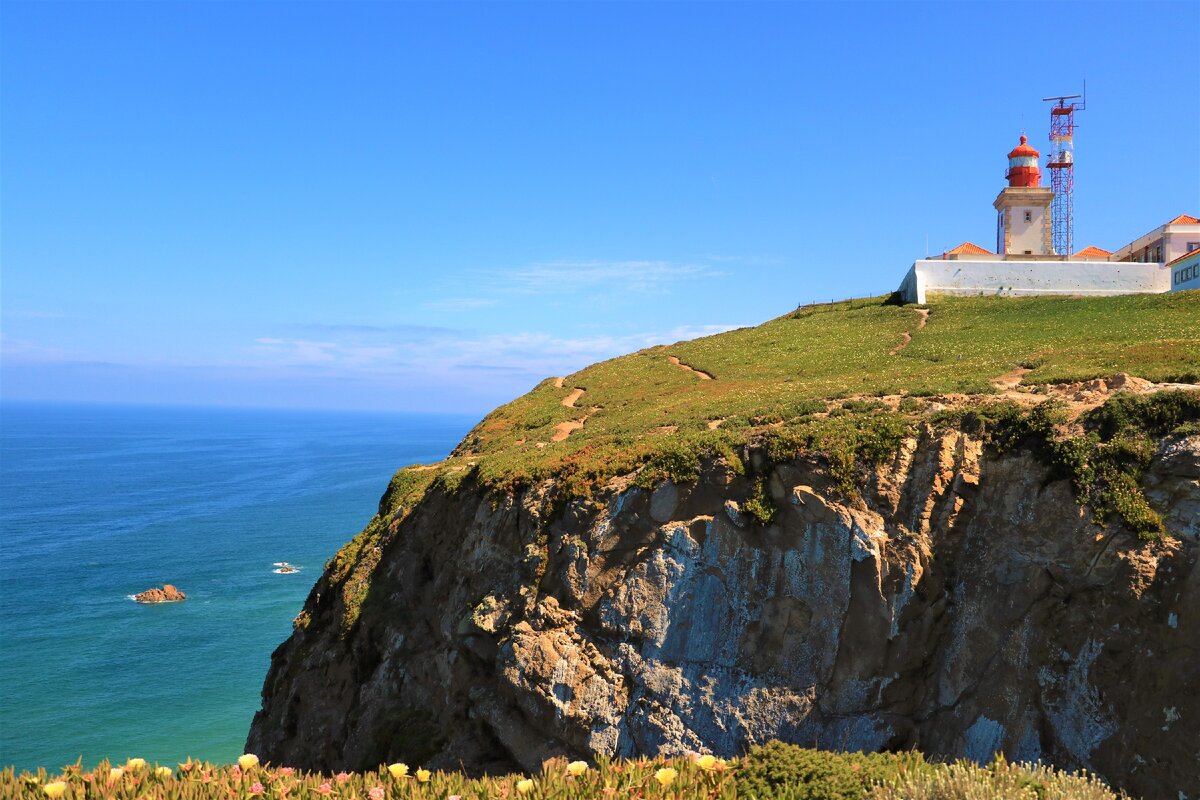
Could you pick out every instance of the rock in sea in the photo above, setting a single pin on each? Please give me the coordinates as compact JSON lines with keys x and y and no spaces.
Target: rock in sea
{"x":167,"y":594}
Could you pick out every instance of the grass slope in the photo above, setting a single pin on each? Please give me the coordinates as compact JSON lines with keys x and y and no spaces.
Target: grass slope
{"x":806,"y":383}
{"x":785,"y":369}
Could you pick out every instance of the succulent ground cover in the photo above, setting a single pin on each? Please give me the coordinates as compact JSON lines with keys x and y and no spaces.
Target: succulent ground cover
{"x":772,"y":772}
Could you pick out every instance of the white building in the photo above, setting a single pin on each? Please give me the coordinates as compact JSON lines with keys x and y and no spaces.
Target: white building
{"x":1025,"y":262}
{"x":1163,"y":244}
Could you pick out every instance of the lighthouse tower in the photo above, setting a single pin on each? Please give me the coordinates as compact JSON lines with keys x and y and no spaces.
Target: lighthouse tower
{"x":1023,"y":207}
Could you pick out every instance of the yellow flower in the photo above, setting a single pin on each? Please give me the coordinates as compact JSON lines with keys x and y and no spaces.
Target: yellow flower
{"x":666,"y":776}
{"x":248,"y":761}
{"x":115,"y":774}
{"x":55,"y":789}
{"x":398,"y":770}
{"x":135,"y":764}
{"x":525,"y":786}
{"x":707,"y":762}
{"x":577,"y":768}
{"x":163,"y":772}
{"x":422,"y":776}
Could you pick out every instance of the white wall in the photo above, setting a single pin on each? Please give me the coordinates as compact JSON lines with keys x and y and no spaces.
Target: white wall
{"x":1088,"y":278}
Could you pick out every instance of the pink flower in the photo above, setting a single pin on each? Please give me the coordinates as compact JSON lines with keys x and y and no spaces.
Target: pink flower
{"x":235,"y":771}
{"x":376,"y":793}
{"x":325,"y":788}
{"x":342,"y":777}
{"x":285,"y":771}
{"x":454,"y":797}
{"x":256,"y":788}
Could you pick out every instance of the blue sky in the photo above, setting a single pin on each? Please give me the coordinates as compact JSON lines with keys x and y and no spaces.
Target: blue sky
{"x":434,"y":206}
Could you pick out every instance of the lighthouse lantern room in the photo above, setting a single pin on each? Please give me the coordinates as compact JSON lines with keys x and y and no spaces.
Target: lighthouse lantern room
{"x":1023,"y":222}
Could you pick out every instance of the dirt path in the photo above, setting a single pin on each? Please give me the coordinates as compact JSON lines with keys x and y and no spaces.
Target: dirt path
{"x":570,"y":400}
{"x":1010,"y":380}
{"x":906,"y":337}
{"x":558,"y":383}
{"x":564,"y":429}
{"x":699,"y":373}
{"x":905,"y":341}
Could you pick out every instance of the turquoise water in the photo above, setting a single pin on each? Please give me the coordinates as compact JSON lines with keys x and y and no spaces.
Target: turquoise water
{"x":98,"y":503}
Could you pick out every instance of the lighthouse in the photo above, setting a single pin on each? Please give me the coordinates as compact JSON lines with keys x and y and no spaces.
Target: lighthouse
{"x":1023,"y":221}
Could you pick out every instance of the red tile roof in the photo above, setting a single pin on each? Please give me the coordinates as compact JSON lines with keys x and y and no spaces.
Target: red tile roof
{"x":969,"y":249}
{"x":1182,"y":257}
{"x":1184,"y":219}
{"x":1091,"y":251}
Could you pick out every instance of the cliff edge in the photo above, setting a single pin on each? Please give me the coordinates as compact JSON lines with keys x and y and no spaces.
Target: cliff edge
{"x":1011,"y":567}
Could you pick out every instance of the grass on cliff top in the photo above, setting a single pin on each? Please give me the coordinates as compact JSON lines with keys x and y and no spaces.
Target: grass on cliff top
{"x":642,"y":406}
{"x":775,"y":771}
{"x":807,"y":384}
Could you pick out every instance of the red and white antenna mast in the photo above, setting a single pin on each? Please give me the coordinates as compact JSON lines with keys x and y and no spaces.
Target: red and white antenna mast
{"x":1061,"y":163}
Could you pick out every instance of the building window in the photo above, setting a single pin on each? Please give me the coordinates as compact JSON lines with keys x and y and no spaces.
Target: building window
{"x":1158,"y":253}
{"x":1193,"y":246}
{"x":1029,"y":216}
{"x":1028,"y":252}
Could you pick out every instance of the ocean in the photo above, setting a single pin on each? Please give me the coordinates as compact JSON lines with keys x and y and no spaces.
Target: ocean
{"x":98,"y":503}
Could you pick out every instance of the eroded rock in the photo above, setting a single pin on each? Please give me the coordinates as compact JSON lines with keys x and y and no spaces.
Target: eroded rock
{"x":167,"y":594}
{"x":964,"y":604}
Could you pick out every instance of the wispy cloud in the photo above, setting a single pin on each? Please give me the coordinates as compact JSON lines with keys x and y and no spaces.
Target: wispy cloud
{"x":408,"y":332}
{"x":458,"y":305}
{"x":301,"y":352}
{"x":584,"y":278}
{"x":565,"y":277}
{"x":523,"y":352}
{"x":357,"y":367}
{"x":32,"y":313}
{"x":18,"y":349}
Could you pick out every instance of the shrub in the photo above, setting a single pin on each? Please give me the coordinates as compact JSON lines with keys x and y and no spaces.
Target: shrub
{"x":1154,"y":414}
{"x":760,"y":506}
{"x":997,"y":781}
{"x":778,"y":770}
{"x":787,"y":772}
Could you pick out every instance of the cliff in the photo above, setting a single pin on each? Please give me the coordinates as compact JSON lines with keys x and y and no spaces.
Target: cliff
{"x":962,"y":574}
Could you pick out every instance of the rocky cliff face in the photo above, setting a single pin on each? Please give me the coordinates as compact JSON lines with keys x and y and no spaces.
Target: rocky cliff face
{"x":962,"y":604}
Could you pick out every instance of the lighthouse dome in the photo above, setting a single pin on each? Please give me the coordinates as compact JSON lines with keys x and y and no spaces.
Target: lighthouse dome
{"x":1023,"y":149}
{"x":1023,"y":165}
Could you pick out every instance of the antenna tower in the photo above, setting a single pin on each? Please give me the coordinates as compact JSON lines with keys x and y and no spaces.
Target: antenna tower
{"x":1061,"y":163}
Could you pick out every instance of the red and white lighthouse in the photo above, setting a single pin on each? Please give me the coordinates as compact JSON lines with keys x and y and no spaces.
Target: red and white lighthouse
{"x":1023,"y":166}
{"x":1023,"y":207}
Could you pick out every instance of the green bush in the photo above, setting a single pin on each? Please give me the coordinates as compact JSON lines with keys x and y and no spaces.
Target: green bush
{"x":1106,"y":463}
{"x":1154,"y":414}
{"x":786,"y":772}
{"x":760,"y":506}
{"x":999,"y":780}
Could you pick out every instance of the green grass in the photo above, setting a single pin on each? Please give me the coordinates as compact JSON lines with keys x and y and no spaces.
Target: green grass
{"x":808,"y":383}
{"x":786,"y":369}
